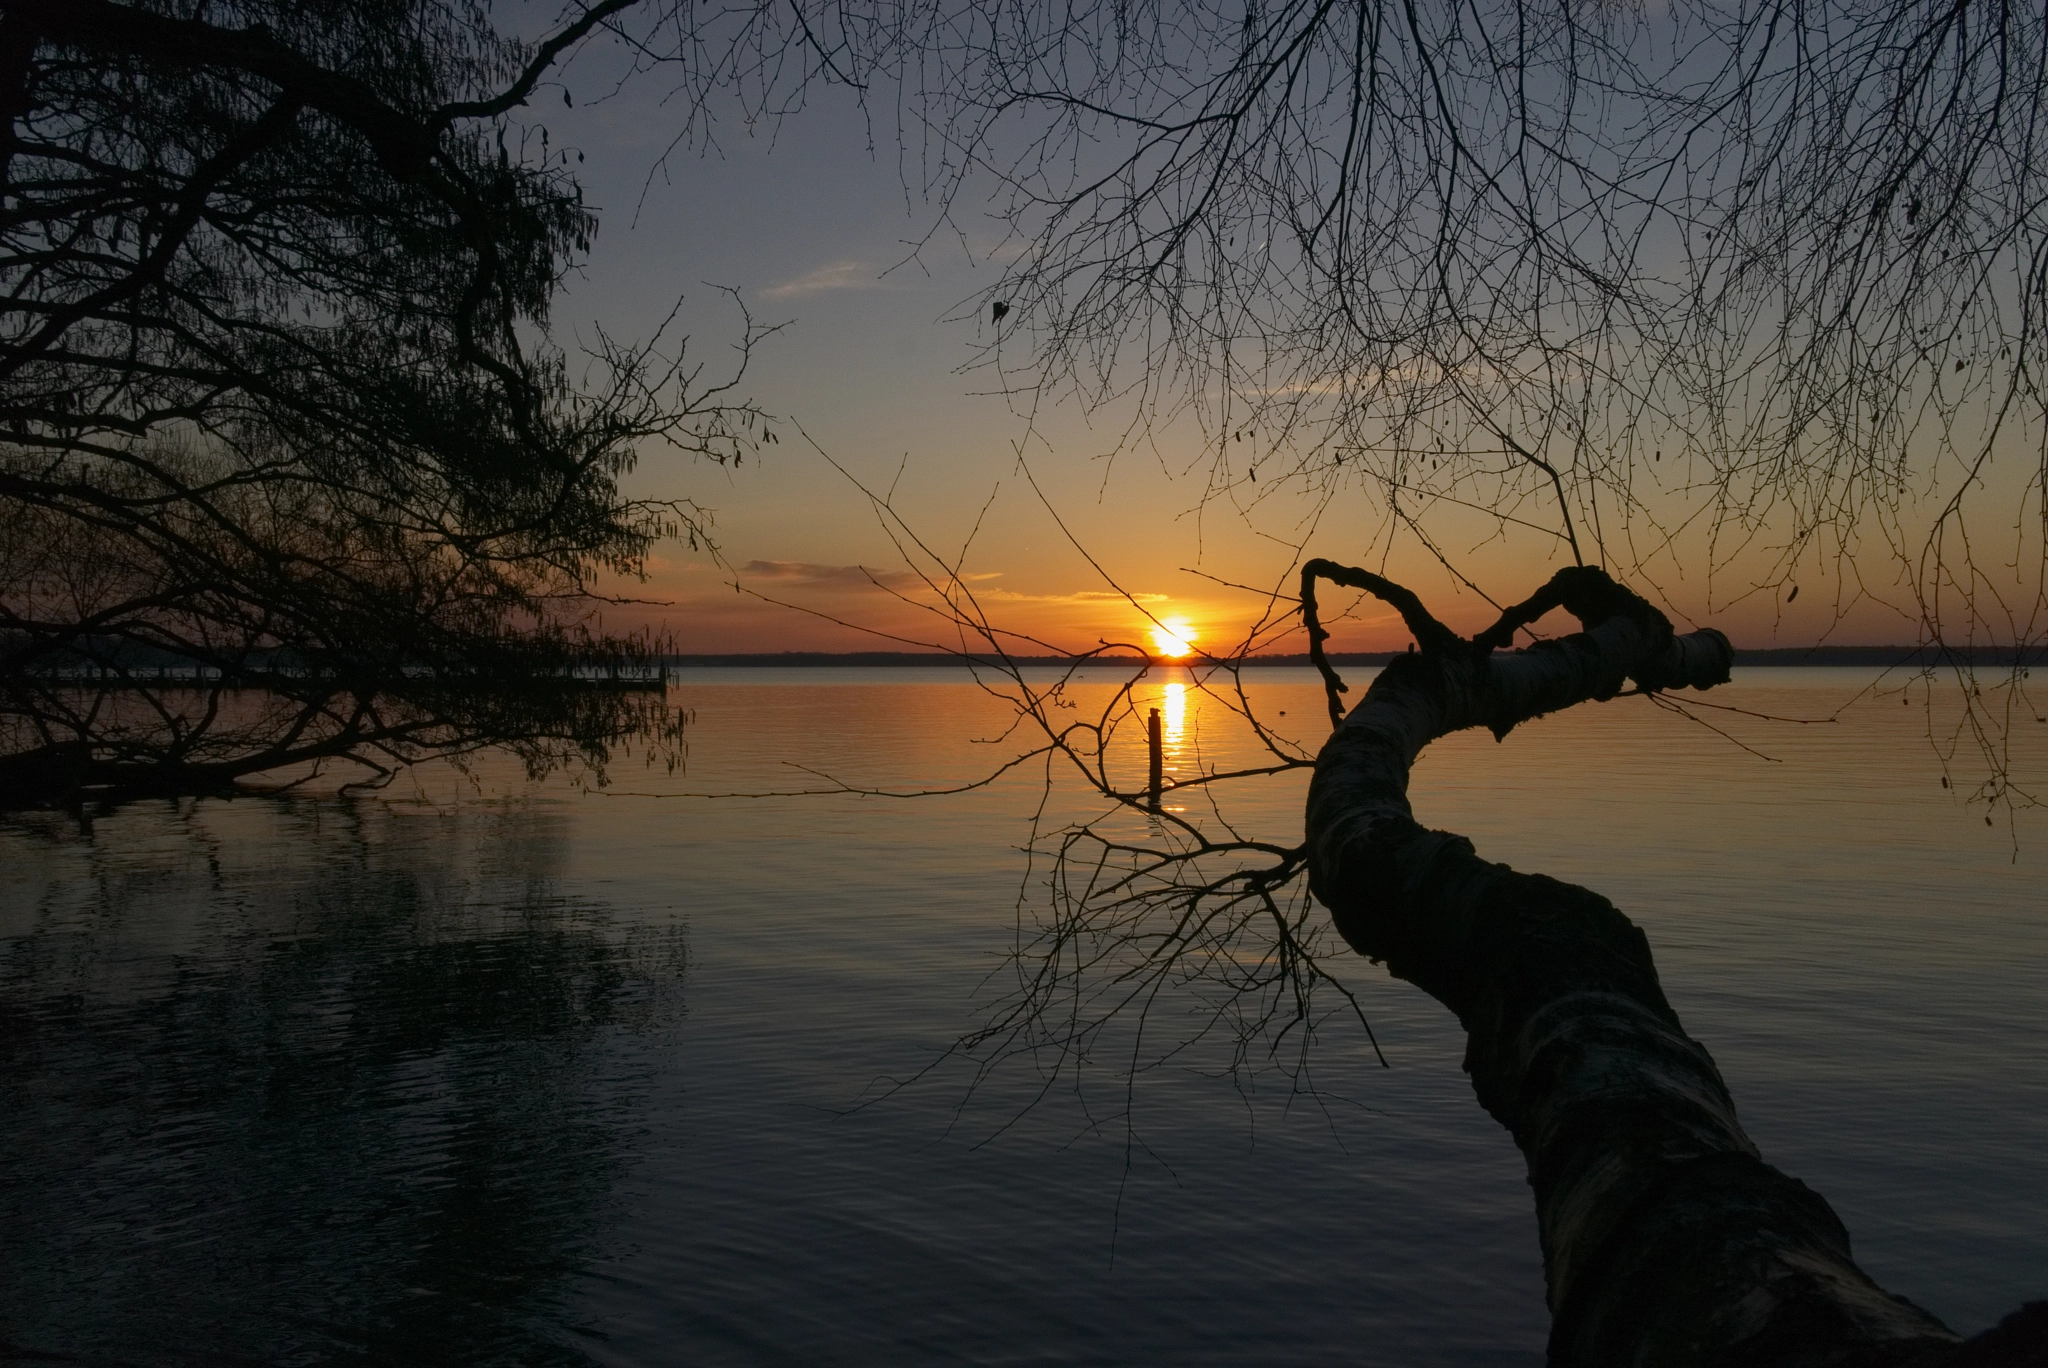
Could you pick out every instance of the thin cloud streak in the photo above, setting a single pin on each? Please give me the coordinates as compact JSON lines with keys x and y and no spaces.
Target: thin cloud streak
{"x":1078,"y":596}
{"x":837,"y":275}
{"x":827,"y":576}
{"x":809,"y":574}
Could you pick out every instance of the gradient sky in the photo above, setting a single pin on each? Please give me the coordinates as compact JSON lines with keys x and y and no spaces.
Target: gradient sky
{"x":814,"y":226}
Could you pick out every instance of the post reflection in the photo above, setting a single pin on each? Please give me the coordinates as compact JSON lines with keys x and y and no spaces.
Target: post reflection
{"x":1173,"y":703}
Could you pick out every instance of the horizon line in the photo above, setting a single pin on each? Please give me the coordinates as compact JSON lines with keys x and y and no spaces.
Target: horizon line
{"x":1893,"y":655}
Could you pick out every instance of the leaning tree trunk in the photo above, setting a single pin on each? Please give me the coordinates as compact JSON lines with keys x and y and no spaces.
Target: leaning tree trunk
{"x":1667,"y":1241}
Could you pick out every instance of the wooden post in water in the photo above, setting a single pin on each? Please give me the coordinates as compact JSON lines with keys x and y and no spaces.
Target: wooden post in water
{"x":1158,"y":750}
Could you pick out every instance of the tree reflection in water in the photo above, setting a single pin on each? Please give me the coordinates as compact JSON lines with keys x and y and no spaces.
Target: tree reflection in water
{"x":317,"y":1081}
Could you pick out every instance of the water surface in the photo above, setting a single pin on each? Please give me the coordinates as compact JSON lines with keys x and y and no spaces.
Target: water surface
{"x":475,"y":1071}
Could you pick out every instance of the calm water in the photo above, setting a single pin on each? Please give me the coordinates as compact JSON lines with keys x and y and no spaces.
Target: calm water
{"x":483,"y":1072}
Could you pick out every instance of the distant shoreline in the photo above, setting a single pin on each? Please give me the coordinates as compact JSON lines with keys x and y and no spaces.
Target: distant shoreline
{"x":1882,"y":656}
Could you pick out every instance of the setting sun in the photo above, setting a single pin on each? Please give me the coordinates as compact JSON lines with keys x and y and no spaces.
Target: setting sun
{"x":1173,"y":637}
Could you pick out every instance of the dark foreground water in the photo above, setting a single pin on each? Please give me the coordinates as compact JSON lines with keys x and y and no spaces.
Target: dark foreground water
{"x":481,"y":1072}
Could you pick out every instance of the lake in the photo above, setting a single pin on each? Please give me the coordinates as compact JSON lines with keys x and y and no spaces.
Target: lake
{"x":482,"y":1071}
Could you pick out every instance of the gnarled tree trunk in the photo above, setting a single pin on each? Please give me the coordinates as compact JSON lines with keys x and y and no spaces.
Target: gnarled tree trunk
{"x":1667,"y":1241}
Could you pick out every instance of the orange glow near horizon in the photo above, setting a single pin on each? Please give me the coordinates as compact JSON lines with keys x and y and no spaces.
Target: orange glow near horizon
{"x":824,"y":606}
{"x":1173,"y":638}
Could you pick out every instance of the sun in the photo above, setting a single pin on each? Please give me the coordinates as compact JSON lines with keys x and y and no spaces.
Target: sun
{"x":1173,"y":638}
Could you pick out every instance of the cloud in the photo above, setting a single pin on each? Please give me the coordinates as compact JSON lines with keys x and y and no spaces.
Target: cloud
{"x":810,"y":575}
{"x":837,"y":275}
{"x":1078,"y":596}
{"x":826,"y":576}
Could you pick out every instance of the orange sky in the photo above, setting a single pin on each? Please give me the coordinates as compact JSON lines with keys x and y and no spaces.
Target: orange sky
{"x":870,"y":368}
{"x":814,"y":566}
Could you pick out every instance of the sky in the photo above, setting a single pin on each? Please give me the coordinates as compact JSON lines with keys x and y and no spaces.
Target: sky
{"x":1065,"y":532}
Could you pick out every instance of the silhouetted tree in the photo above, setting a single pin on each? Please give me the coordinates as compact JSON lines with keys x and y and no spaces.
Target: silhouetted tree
{"x":289,"y":469}
{"x":1667,"y":1239}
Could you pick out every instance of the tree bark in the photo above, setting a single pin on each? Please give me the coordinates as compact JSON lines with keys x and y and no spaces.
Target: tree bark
{"x":1667,"y":1241}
